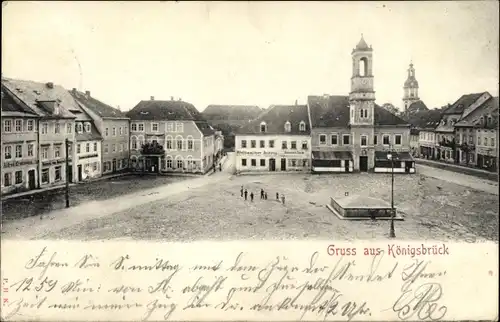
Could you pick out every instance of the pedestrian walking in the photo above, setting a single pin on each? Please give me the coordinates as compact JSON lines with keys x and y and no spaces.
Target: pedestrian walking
{"x":246,"y":194}
{"x":265,"y":195}
{"x":220,"y":167}
{"x":251,"y":196}
{"x":241,"y":191}
{"x":283,"y":198}
{"x":277,"y":196}
{"x":261,"y":193}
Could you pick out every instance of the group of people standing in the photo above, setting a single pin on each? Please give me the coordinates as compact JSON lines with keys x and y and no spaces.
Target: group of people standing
{"x":263,"y":195}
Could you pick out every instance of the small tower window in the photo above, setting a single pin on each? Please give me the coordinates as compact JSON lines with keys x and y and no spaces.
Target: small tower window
{"x":288,"y":126}
{"x":363,"y":67}
{"x":302,"y":126}
{"x":263,"y":127}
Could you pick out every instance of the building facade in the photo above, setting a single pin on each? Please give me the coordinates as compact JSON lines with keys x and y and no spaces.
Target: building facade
{"x":186,"y":139}
{"x":352,"y":133}
{"x":278,"y":140}
{"x":113,"y":126}
{"x":19,"y":139}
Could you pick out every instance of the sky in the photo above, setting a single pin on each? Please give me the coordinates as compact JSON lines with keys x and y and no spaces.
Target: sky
{"x":251,"y":53}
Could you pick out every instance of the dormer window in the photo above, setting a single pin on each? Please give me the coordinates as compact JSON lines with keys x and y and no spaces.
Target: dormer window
{"x":489,"y":120}
{"x":263,"y":127}
{"x":288,"y":126}
{"x":80,"y":128}
{"x":302,"y":126}
{"x":87,"y":127}
{"x":482,"y":120}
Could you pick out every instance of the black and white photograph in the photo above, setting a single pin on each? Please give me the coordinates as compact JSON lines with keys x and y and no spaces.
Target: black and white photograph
{"x":193,"y":121}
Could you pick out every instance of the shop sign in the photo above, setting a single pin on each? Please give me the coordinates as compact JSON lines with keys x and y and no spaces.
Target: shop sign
{"x":10,"y":164}
{"x":53,"y":162}
{"x":286,"y":153}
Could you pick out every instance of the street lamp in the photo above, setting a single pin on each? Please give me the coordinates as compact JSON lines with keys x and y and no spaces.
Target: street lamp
{"x":392,"y":232}
{"x":67,"y":144}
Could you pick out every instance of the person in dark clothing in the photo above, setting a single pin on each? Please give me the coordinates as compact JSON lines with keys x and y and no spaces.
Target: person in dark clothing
{"x":246,"y":194}
{"x":241,"y":191}
{"x":277,"y":196}
{"x":261,"y":193}
{"x":265,"y":195}
{"x":283,"y":198}
{"x":251,"y":196}
{"x":220,"y":167}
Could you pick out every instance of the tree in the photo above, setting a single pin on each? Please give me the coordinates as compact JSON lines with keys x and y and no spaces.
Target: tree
{"x":391,"y":108}
{"x":152,"y":148}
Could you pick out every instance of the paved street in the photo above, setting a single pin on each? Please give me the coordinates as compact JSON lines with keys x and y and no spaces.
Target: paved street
{"x":211,"y":208}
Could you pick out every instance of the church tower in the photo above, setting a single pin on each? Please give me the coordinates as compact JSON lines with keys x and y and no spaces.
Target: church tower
{"x":362,"y":95}
{"x":410,"y":88}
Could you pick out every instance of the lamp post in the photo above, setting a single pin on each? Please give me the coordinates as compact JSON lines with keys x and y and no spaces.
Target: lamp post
{"x":392,"y":233}
{"x":67,"y":143}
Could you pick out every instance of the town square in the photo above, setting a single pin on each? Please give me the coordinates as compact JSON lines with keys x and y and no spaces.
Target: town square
{"x":259,"y":146}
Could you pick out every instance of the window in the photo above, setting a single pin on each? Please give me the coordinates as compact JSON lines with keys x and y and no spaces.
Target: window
{"x":375,"y":139}
{"x":179,"y":127}
{"x":19,"y":177}
{"x":106,"y":147}
{"x":322,"y":139}
{"x":57,"y":151}
{"x":334,"y":139}
{"x":45,"y":153}
{"x":94,"y":166}
{"x":180,"y":164}
{"x":7,"y":126}
{"x":304,"y":145}
{"x":140,"y":127}
{"x":170,"y":127}
{"x":271,"y":144}
{"x":345,"y":139}
{"x":478,"y":140}
{"x":190,"y":144}
{"x":121,"y":147}
{"x":68,"y":127}
{"x":87,"y":127}
{"x":7,"y":152}
{"x":30,"y":125}
{"x":45,"y":175}
{"x":30,"y":150}
{"x":262,"y":162}
{"x":364,"y":140}
{"x":471,"y":140}
{"x":253,"y":162}
{"x":244,"y":162}
{"x":243,"y":144}
{"x":386,"y":140}
{"x":113,"y":131}
{"x":133,"y":127}
{"x":45,"y":128}
{"x":302,"y":126}
{"x":87,"y":147}
{"x":170,"y":163}
{"x":485,"y":144}
{"x":121,"y":131}
{"x":19,"y":151}
{"x":154,"y":127}
{"x":95,"y":146}
{"x":7,"y":179}
{"x":19,"y":125}
{"x":106,"y":131}
{"x":288,"y":126}
{"x":397,"y":139}
{"x":263,"y":127}
{"x":283,"y":145}
{"x":262,"y":143}
{"x":293,"y":145}
{"x":492,"y":140}
{"x":57,"y":128}
{"x":169,"y":143}
{"x":253,"y":144}
{"x":57,"y":173}
{"x":80,"y":128}
{"x":78,"y":148}
{"x":179,"y":144}
{"x":114,"y":147}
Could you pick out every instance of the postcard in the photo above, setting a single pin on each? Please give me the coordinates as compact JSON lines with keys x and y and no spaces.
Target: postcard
{"x":249,"y":161}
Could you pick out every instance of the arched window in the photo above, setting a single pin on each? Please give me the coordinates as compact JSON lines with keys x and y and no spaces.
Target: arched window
{"x":87,"y":127}
{"x":80,"y":128}
{"x":363,"y":67}
{"x":263,"y":127}
{"x":170,"y":162}
{"x":133,"y":142}
{"x":288,"y":126}
{"x":302,"y":126}
{"x":169,"y":142}
{"x":179,"y":144}
{"x":189,"y":162}
{"x":179,"y":162}
{"x":140,"y":141}
{"x":190,"y":143}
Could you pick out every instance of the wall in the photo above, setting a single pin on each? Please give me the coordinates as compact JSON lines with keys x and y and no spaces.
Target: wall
{"x":121,"y":142}
{"x":90,"y":162}
{"x":315,"y":139}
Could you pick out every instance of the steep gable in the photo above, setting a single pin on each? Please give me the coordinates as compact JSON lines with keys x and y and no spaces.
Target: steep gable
{"x":275,"y":118}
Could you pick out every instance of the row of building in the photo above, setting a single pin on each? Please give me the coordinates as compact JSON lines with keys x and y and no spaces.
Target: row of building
{"x":330,"y":133}
{"x":45,"y":127}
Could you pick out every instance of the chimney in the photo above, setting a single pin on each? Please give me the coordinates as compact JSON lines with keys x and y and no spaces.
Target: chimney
{"x":152,"y":98}
{"x":50,"y":85}
{"x":171,"y":98}
{"x":73,"y":90}
{"x":87,"y":93}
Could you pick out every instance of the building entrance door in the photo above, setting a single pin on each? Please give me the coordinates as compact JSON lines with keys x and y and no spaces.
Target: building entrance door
{"x":363,"y":163}
{"x":408,"y":166}
{"x":114,"y":165}
{"x":283,"y":164}
{"x":31,"y":179}
{"x":79,"y":172}
{"x":346,"y":165}
{"x":272,"y":164}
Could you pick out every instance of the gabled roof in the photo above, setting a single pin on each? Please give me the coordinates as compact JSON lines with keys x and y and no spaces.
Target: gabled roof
{"x":12,"y":106}
{"x":488,"y":109}
{"x":86,"y":136}
{"x":101,"y":109}
{"x":33,"y":94}
{"x":334,"y":111}
{"x":165,"y":110}
{"x":427,"y":119}
{"x":231,"y":112}
{"x":462,"y":103}
{"x":275,"y":118}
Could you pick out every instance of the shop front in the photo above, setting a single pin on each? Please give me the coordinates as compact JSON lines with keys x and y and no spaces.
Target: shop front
{"x":272,"y":161}
{"x":332,"y":161}
{"x":399,"y":162}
